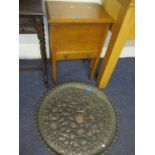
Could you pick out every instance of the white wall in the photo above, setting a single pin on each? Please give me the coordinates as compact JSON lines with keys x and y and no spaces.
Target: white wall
{"x":29,"y":44}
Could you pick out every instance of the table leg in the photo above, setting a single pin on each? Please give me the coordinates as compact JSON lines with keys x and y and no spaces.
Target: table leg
{"x":95,"y":61}
{"x":120,"y":33}
{"x":91,"y":63}
{"x":39,"y":25}
{"x":53,"y":53}
{"x":54,"y":69}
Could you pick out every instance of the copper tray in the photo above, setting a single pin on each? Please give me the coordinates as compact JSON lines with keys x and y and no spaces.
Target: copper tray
{"x":76,"y":119}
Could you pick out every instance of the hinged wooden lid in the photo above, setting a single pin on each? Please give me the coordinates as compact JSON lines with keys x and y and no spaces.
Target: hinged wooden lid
{"x":71,"y":12}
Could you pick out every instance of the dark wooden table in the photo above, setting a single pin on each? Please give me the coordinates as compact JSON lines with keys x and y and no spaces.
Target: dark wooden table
{"x":31,"y":14}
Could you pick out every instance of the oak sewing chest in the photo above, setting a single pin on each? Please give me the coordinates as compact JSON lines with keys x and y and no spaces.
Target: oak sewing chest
{"x":77,"y":31}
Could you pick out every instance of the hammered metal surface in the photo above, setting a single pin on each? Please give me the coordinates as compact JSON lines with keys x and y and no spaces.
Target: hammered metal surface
{"x":76,"y":119}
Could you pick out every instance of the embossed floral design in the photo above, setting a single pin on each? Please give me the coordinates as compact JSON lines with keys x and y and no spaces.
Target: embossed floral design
{"x":73,"y":121}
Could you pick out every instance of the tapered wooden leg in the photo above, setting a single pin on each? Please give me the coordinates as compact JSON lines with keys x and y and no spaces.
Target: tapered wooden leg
{"x":54,"y":70}
{"x":120,"y":34}
{"x":53,"y":52}
{"x":93,"y":68}
{"x":94,"y":62}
